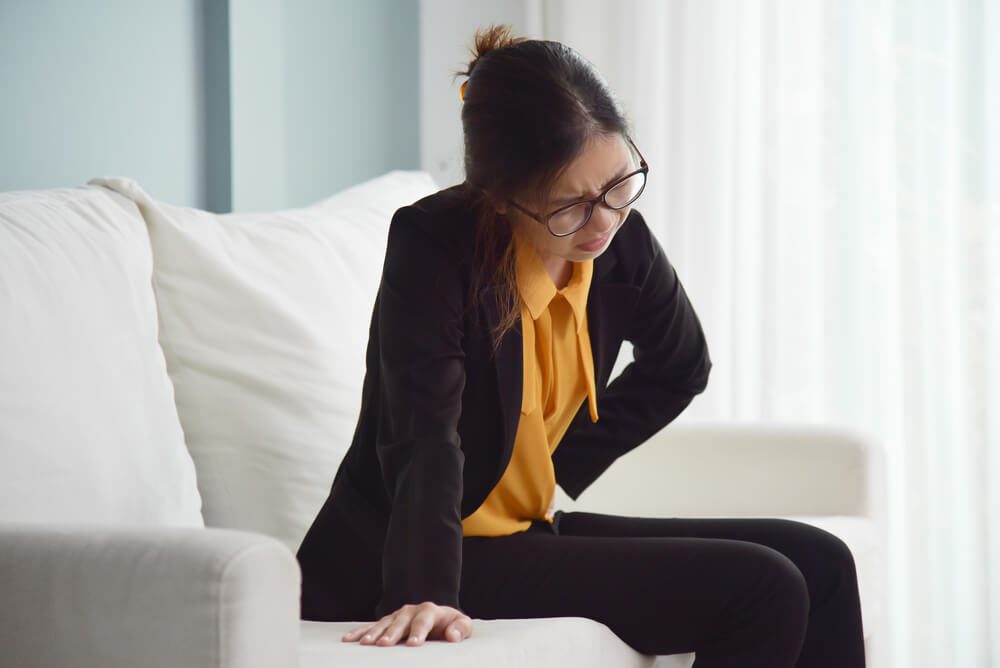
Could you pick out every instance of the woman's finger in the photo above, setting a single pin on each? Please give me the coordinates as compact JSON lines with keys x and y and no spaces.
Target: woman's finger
{"x":397,"y":628}
{"x":354,"y":633}
{"x":372,"y":635}
{"x":421,"y":625}
{"x":459,"y":629}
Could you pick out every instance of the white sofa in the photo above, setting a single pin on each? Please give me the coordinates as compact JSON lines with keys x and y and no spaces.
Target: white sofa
{"x":172,"y":412}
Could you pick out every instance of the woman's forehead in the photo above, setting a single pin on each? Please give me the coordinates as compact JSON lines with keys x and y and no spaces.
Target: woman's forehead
{"x":603,"y":159}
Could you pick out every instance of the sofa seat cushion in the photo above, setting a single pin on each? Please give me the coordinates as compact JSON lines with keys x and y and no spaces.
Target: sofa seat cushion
{"x":495,"y":643}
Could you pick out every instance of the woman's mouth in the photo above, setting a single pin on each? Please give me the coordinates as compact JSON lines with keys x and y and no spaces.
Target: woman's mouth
{"x":596,"y":244}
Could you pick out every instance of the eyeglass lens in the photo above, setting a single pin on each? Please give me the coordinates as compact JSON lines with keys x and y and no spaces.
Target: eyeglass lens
{"x":621,"y":195}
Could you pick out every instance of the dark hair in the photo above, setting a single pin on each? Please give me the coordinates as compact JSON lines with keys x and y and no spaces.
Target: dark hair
{"x":530,"y":107}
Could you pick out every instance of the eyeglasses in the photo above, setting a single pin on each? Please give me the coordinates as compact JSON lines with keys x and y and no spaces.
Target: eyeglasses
{"x":568,"y":219}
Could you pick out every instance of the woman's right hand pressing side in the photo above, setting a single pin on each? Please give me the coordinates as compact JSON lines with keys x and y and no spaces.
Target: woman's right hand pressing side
{"x":416,"y":623}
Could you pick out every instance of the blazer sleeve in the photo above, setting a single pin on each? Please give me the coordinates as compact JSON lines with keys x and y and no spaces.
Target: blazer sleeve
{"x":671,"y":365}
{"x":422,"y":369}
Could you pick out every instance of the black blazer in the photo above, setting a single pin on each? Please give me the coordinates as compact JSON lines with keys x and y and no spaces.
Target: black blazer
{"x":439,"y":413}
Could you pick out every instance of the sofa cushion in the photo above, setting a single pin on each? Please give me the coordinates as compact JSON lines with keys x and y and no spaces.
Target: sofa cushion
{"x":264,"y":321}
{"x":89,"y":432}
{"x":496,"y":643}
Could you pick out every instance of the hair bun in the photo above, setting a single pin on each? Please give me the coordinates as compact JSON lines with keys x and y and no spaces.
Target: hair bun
{"x":497,"y":36}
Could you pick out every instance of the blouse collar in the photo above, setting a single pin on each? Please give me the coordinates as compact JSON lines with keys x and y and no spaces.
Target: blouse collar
{"x":537,"y":288}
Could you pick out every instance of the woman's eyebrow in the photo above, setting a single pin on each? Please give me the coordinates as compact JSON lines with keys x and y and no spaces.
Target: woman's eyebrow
{"x":573,"y":198}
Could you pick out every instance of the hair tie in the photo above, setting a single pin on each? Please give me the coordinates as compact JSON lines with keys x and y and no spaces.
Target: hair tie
{"x":461,"y":90}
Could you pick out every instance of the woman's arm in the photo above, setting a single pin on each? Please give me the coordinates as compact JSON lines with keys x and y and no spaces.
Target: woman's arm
{"x":422,"y":366}
{"x":671,"y":365}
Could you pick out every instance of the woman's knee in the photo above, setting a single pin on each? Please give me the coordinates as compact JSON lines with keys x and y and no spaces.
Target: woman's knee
{"x":768,"y":598}
{"x":823,"y":557}
{"x":751,"y":579}
{"x":819,"y":541}
{"x":781,"y":575}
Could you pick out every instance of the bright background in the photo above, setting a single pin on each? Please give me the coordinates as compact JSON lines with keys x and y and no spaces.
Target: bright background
{"x":825,"y":177}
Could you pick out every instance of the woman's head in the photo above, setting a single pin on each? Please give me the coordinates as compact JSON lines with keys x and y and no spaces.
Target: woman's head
{"x":568,"y":224}
{"x":542,"y":129}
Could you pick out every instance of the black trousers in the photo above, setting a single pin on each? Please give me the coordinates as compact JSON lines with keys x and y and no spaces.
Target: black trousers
{"x":739,"y":592}
{"x":743,"y":592}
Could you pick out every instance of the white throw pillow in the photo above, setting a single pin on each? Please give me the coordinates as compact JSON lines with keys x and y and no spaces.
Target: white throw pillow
{"x":89,"y":432}
{"x":264,"y":321}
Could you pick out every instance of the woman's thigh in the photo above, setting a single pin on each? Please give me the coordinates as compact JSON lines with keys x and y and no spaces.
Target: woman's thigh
{"x":730,"y":600}
{"x":835,"y":635}
{"x":810,"y":548}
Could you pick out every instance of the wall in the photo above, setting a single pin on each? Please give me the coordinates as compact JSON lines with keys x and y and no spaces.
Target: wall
{"x":91,"y":90}
{"x":352,"y":86}
{"x":220,"y":104}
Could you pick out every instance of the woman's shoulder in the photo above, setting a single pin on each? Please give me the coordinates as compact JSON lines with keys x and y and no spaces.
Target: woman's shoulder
{"x":631,"y":253}
{"x":452,"y":198}
{"x":638,"y":241}
{"x":445,"y":218}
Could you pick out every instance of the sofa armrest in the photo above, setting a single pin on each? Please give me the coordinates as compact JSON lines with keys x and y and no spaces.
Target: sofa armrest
{"x":117,"y":597}
{"x":738,"y":469}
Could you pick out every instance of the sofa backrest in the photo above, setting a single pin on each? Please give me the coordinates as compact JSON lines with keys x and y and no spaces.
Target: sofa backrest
{"x":264,"y":321}
{"x":89,"y":432}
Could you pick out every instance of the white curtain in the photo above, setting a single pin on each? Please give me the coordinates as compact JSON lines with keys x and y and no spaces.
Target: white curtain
{"x":825,"y":176}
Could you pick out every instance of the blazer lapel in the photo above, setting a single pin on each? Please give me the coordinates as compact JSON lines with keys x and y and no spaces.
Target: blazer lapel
{"x":509,"y":364}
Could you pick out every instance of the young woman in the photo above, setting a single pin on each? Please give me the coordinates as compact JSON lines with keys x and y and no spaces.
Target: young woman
{"x":502,"y":306}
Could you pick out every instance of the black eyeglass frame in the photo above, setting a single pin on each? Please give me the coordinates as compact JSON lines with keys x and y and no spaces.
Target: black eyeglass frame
{"x":600,"y":199}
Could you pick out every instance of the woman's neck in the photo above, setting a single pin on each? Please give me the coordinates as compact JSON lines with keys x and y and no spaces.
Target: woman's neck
{"x":559,"y":269}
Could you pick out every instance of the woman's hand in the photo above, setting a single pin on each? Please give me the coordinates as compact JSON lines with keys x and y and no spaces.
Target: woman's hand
{"x":415,"y":623}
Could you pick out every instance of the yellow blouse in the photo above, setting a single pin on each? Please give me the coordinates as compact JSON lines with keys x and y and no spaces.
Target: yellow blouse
{"x":558,"y":376}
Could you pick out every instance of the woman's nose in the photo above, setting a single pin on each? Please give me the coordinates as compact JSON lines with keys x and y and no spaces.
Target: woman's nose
{"x":604,"y":219}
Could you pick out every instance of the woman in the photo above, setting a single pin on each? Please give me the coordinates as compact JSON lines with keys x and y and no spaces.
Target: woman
{"x":502,"y":306}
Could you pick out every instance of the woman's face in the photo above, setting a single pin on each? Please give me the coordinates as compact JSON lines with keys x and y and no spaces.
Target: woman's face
{"x":604,"y":159}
